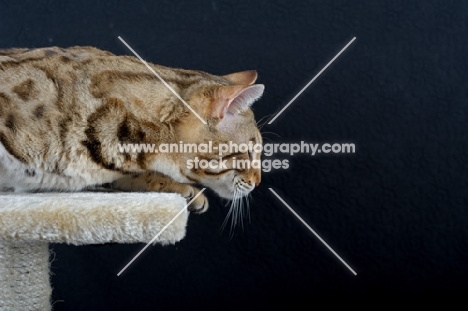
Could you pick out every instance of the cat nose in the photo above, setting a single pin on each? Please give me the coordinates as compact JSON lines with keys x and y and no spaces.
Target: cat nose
{"x":254,"y":181}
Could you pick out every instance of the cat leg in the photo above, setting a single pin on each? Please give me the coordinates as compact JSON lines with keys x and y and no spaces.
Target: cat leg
{"x":152,"y":181}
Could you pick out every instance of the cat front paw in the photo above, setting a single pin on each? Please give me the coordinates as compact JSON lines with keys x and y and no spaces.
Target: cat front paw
{"x":200,"y":204}
{"x":151,"y":181}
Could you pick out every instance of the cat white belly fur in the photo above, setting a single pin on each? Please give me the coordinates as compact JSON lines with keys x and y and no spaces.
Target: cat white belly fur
{"x":13,"y":175}
{"x":76,"y":177}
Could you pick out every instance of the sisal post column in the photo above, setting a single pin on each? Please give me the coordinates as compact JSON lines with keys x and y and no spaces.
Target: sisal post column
{"x":24,"y":276}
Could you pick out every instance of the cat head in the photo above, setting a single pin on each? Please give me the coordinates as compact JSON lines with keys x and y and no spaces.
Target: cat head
{"x":225,"y":103}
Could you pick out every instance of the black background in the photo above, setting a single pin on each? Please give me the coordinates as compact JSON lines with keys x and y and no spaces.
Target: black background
{"x":395,"y":210}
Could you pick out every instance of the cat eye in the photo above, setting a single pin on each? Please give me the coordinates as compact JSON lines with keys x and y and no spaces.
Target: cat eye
{"x":237,"y":155}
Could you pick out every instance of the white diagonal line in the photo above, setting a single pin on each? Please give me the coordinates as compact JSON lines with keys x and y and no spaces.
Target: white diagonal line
{"x":312,"y":230}
{"x":162,"y":80}
{"x":313,"y":79}
{"x":162,"y":230}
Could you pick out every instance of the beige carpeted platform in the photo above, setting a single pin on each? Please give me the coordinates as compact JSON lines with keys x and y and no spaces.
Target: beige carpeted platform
{"x":28,"y":222}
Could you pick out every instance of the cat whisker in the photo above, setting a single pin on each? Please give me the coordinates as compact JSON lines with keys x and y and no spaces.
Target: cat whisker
{"x":266,"y":118}
{"x":267,"y":139}
{"x":231,"y":212}
{"x":248,"y":206}
{"x":234,"y":214}
{"x":261,"y":123}
{"x":241,"y":212}
{"x":226,"y":218}
{"x":239,"y":207}
{"x":271,"y":133}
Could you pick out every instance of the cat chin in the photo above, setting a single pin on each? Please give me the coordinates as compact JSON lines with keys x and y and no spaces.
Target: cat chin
{"x":229,"y":191}
{"x":229,"y":194}
{"x":223,"y":193}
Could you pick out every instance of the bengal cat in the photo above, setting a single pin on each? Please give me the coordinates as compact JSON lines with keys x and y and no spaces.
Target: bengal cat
{"x":64,"y":112}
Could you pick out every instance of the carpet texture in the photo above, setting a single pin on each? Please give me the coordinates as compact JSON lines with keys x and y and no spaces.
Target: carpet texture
{"x":29,"y":222}
{"x":91,"y":218}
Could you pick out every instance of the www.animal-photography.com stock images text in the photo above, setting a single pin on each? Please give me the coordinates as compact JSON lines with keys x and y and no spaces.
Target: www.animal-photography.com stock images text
{"x":233,"y":155}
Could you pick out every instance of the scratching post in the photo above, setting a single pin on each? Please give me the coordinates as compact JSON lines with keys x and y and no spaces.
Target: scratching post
{"x":24,"y":276}
{"x":29,"y":222}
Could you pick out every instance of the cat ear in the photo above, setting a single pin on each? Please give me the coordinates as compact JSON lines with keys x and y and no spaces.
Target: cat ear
{"x":235,"y":99}
{"x":245,"y":98}
{"x":247,"y":77}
